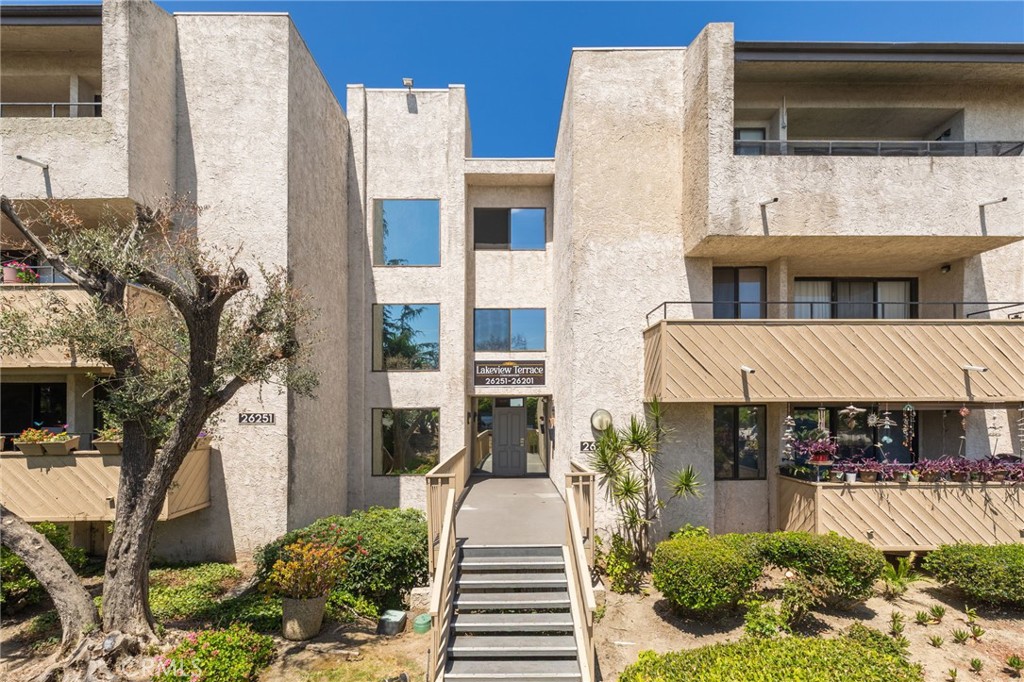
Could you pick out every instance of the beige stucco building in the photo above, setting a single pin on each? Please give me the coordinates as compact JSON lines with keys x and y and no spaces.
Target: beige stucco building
{"x":745,"y":231}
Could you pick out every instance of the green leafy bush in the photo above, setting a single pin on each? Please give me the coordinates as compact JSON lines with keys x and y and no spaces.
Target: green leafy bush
{"x":260,"y":612}
{"x":387,"y":558}
{"x":851,"y":567}
{"x":809,"y":659}
{"x":18,"y":587}
{"x":233,"y":655}
{"x":619,"y":564}
{"x":763,"y":620}
{"x":703,"y":577}
{"x":993,"y":574}
{"x":177,"y":592}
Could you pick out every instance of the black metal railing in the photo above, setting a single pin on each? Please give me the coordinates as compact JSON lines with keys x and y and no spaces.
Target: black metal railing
{"x":836,"y":310}
{"x":875,"y":148}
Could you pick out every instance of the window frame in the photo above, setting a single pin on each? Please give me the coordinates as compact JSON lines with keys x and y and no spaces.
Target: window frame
{"x":735,"y":302}
{"x":376,"y":438}
{"x":511,"y":332}
{"x":507,"y":244}
{"x":913,"y":305}
{"x":379,"y":201}
{"x":763,"y":437}
{"x":376,"y":347}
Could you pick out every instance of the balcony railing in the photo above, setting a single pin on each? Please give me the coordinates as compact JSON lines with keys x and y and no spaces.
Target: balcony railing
{"x":836,"y":310}
{"x":875,"y":148}
{"x":50,"y":109}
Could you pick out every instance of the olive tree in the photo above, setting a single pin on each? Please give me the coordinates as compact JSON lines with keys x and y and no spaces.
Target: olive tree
{"x":206,"y":329}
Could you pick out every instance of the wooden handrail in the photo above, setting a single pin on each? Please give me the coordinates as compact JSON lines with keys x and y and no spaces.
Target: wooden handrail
{"x":450,"y":474}
{"x":442,"y":593}
{"x":582,"y":602}
{"x":581,"y":481}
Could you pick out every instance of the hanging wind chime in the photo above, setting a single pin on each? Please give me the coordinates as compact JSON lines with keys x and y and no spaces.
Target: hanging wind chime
{"x":788,"y":437}
{"x":886,"y":423}
{"x":909,"y":421}
{"x":964,"y":413}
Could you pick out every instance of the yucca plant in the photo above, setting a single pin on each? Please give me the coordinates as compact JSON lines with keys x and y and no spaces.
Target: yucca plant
{"x":626,"y":462}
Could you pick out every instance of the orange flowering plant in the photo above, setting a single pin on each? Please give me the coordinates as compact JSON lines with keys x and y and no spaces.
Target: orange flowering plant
{"x":307,"y":570}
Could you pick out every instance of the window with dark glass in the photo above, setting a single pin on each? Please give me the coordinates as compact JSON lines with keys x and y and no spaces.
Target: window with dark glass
{"x":859,"y":434}
{"x":504,"y":229}
{"x":504,"y":329}
{"x":852,"y":299}
{"x":406,"y":232}
{"x":739,"y":293}
{"x":406,"y":336}
{"x":739,"y":442}
{"x":405,"y":441}
{"x":32,"y":405}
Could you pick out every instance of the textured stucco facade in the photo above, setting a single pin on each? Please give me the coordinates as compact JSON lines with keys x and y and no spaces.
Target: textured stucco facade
{"x":645,"y":195}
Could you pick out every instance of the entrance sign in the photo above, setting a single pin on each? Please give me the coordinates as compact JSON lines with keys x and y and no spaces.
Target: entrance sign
{"x":508,"y":373}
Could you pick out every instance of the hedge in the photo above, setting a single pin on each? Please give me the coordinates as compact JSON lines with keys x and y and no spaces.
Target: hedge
{"x":703,"y":577}
{"x":395,"y":558}
{"x":989,"y":573}
{"x":806,"y":659}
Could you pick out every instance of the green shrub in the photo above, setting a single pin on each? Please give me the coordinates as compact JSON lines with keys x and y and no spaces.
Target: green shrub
{"x":344,"y":607}
{"x":763,"y":620}
{"x":809,"y":659}
{"x":390,"y":560}
{"x":179,"y":592}
{"x":703,"y":577}
{"x":18,"y":587}
{"x":992,"y":574}
{"x":619,"y":564}
{"x":851,"y":567}
{"x":231,"y":655}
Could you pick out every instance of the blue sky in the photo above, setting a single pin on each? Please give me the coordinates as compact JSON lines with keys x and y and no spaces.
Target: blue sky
{"x":513,"y":56}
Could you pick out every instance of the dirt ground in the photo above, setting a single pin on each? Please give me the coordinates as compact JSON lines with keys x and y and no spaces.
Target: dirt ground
{"x":635,"y":623}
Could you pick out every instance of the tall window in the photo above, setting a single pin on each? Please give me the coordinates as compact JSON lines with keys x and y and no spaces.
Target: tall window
{"x":406,"y":336}
{"x":740,"y":449}
{"x":739,"y":293}
{"x":406,"y":232}
{"x":504,"y":329}
{"x":405,"y":441}
{"x":503,"y":229}
{"x":883,"y":299}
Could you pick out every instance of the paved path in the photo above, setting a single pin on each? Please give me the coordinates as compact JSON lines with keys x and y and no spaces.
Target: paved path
{"x":511,"y":511}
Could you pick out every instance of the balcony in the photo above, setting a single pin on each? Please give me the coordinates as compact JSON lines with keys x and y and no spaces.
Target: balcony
{"x":82,"y":486}
{"x":875,"y":148}
{"x":905,"y":517}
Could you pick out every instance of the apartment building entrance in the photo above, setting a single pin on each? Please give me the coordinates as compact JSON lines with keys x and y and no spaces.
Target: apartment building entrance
{"x":512,"y":438}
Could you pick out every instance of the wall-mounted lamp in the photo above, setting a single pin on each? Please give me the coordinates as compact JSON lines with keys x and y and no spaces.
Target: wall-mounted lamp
{"x":601,"y":420}
{"x":407,"y":83}
{"x":44,"y":166}
{"x":747,"y":370}
{"x":994,"y":201}
{"x":946,"y":267}
{"x":773,"y":200}
{"x":974,"y":368}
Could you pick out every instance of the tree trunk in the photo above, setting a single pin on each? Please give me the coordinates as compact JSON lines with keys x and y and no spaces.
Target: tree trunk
{"x":74,"y":605}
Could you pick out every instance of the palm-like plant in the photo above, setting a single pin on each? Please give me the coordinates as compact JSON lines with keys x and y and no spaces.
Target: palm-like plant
{"x":626,"y":461}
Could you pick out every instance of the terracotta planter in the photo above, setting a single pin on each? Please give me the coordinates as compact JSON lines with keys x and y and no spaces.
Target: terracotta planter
{"x":10,"y":275}
{"x":868,"y":476}
{"x":996,"y":476}
{"x":302,"y":617}
{"x":837,"y":476}
{"x":107,"y":447}
{"x":29,"y":448}
{"x":931,"y":477}
{"x":62,"y":448}
{"x":960,"y":476}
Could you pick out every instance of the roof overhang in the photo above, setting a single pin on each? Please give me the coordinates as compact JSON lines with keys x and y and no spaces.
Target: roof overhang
{"x":780,"y":51}
{"x":51,"y":15}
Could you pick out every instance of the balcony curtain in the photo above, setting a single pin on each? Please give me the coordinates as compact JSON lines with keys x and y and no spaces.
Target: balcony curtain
{"x":812,"y":299}
{"x":894,"y":300}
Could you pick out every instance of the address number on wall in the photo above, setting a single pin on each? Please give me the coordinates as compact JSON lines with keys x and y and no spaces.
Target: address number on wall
{"x":588,"y":446}
{"x":255,"y":417}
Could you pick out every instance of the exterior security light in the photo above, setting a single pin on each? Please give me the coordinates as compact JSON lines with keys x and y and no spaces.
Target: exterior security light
{"x":407,"y":82}
{"x":747,"y":370}
{"x":974,"y":368}
{"x":601,"y":420}
{"x":946,"y":268}
{"x":984,"y":203}
{"x":44,"y":166}
{"x":768,"y":201}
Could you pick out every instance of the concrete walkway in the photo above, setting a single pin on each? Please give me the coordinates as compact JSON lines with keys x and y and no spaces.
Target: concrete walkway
{"x":511,"y":511}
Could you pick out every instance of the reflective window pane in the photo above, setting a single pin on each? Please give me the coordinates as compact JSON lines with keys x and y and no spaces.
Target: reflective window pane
{"x":528,"y":229}
{"x":725,"y":441}
{"x":491,"y":330}
{"x":740,"y":448}
{"x":407,"y":337}
{"x":405,"y":441}
{"x":407,"y":232}
{"x":527,"y":329}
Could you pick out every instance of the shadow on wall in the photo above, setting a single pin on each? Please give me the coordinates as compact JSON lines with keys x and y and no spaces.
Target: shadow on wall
{"x":205,"y":535}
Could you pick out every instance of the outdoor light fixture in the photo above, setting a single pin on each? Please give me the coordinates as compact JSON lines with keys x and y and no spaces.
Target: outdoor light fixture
{"x":974,"y":368}
{"x":44,"y":166}
{"x":982,"y":204}
{"x":407,"y":82}
{"x":768,"y":201}
{"x":601,"y":420}
{"x":946,"y":267}
{"x":747,"y":370}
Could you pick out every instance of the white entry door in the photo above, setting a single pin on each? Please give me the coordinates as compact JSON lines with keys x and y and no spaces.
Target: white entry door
{"x":509,"y":441}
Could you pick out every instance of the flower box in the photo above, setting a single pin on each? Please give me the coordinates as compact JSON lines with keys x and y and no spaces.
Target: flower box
{"x":61,"y":447}
{"x":107,"y":447}
{"x":29,"y":448}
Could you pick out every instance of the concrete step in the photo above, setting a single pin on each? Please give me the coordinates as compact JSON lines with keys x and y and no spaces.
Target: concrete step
{"x":511,"y":563}
{"x":513,"y":646}
{"x":508,"y":581}
{"x":511,"y":601}
{"x":512,"y":622}
{"x":473,"y":551}
{"x":526,"y":671}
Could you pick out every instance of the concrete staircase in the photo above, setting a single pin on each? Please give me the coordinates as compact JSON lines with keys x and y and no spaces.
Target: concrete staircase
{"x":512,"y":619}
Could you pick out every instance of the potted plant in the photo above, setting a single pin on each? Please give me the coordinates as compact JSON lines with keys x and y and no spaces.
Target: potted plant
{"x":960,"y":470}
{"x":302,"y":577}
{"x":16,"y":272}
{"x":30,"y":441}
{"x":838,"y":472}
{"x":933,"y":470}
{"x":108,"y":441}
{"x":62,"y":443}
{"x":913,"y":476}
{"x":868,"y":470}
